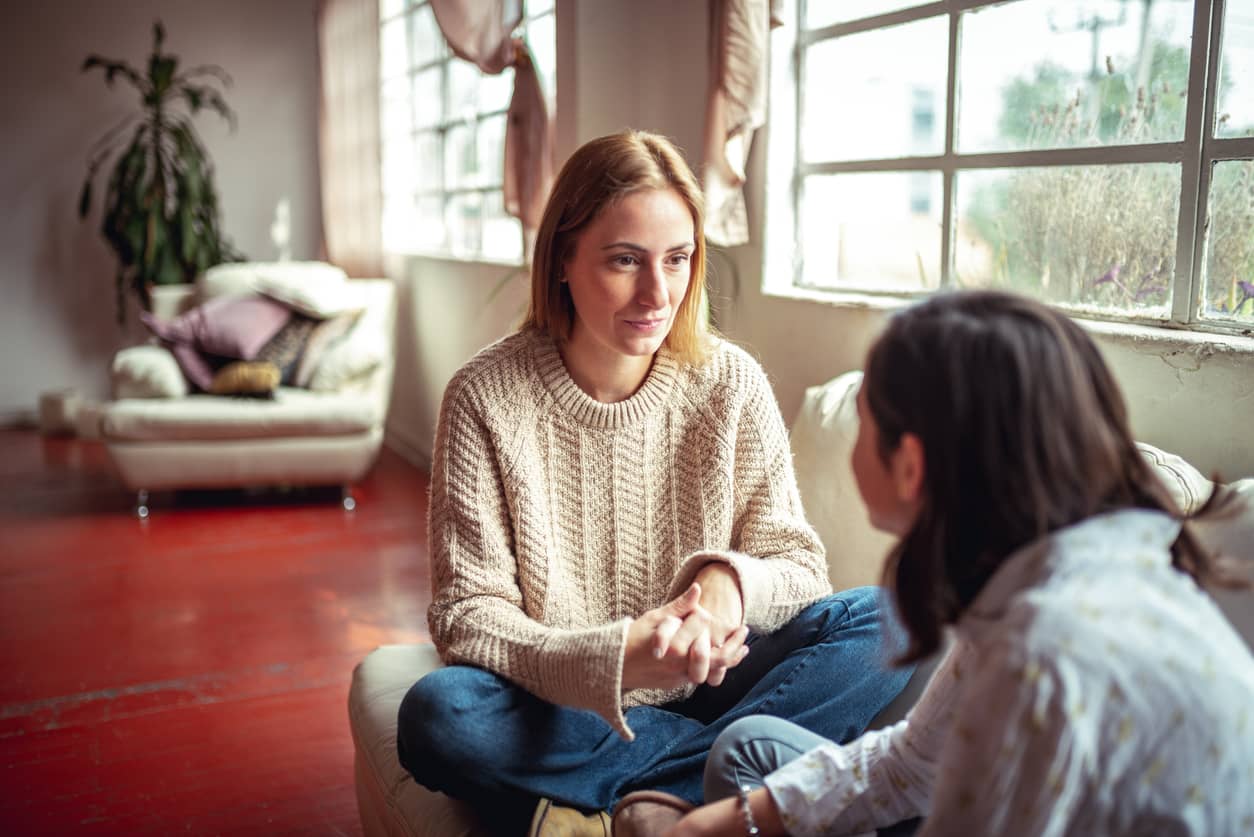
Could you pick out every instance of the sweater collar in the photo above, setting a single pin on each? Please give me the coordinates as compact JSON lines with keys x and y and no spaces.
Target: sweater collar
{"x":586,"y":409}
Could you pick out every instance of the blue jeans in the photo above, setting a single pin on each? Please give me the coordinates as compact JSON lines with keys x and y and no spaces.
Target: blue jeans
{"x":476,"y":736}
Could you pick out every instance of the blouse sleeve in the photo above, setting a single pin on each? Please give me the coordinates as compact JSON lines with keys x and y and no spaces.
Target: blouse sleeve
{"x":776,"y":555}
{"x":1013,"y":763}
{"x":476,"y":615}
{"x":883,"y":777}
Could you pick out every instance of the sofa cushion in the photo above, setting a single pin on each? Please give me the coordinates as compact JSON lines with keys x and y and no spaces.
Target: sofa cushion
{"x":233,"y":328}
{"x":823,"y":435}
{"x":391,"y":802}
{"x":147,"y":372}
{"x":292,"y":412}
{"x":256,"y":378}
{"x":240,"y":278}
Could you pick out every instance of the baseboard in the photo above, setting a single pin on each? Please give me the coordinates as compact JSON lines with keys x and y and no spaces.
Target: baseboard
{"x":402,"y":442}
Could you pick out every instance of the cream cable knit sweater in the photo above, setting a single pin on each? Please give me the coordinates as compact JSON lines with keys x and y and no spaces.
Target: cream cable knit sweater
{"x":556,"y":519}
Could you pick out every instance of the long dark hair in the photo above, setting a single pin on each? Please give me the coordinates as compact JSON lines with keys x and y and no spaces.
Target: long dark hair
{"x":1024,"y":432}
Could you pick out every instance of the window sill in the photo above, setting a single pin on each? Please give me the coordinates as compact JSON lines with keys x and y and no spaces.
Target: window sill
{"x":1198,"y":343}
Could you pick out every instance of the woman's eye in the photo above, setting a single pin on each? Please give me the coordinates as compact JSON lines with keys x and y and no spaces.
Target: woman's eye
{"x":625,"y":260}
{"x":680,"y":259}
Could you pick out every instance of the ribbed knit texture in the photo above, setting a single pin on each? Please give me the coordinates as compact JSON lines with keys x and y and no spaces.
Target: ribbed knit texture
{"x":556,"y":519}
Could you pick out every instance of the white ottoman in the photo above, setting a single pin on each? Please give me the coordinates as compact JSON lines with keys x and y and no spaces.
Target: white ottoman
{"x":389,"y":801}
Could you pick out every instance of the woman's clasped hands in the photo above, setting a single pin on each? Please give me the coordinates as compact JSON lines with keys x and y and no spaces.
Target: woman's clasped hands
{"x":694,"y":638}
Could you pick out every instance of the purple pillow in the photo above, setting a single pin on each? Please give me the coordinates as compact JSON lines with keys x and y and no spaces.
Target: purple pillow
{"x":234,"y":327}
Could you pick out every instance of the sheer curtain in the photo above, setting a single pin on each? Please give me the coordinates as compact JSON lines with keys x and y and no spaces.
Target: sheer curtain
{"x":481,"y":32}
{"x":349,"y":141}
{"x":736,"y":108}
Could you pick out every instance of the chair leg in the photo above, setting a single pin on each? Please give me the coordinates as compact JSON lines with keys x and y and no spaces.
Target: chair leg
{"x":141,"y":504}
{"x":346,"y":498}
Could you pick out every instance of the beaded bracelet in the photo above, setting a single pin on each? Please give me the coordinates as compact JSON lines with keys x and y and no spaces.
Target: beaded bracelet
{"x":751,"y":827}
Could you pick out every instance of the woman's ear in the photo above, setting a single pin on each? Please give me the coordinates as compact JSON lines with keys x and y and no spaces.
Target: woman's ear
{"x":908,"y":469}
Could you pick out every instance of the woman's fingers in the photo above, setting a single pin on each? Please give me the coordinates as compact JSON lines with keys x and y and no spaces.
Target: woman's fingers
{"x":699,"y":658}
{"x":728,"y":656}
{"x":664,"y":633}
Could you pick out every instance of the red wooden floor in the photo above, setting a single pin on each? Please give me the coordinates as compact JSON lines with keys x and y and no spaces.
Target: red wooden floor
{"x":188,"y":674}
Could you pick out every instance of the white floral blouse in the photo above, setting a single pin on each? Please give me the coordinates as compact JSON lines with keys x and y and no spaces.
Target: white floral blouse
{"x":1092,"y":690}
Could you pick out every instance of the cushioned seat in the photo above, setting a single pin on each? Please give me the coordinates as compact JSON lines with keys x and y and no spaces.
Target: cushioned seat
{"x":390,"y":802}
{"x":292,"y":412}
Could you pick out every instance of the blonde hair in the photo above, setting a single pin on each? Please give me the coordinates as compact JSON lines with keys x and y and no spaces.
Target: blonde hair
{"x":599,"y":173}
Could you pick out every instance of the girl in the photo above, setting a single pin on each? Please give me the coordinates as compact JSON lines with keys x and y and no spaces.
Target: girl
{"x":614,"y":523}
{"x":1093,"y":687}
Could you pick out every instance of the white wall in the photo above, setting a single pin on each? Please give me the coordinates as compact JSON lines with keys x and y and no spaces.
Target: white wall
{"x":643,"y":64}
{"x":57,"y":326}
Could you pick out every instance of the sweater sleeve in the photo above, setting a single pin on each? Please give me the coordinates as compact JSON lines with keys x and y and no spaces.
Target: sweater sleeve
{"x":776,"y":555}
{"x":476,"y":615}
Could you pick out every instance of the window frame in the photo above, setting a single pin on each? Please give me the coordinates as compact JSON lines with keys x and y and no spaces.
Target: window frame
{"x":444,"y":126}
{"x":1196,"y":154}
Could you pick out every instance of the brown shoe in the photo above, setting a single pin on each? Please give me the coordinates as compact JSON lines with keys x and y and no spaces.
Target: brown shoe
{"x":648,"y":813}
{"x":553,"y":820}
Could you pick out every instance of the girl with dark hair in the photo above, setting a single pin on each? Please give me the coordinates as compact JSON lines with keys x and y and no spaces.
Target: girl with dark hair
{"x":614,"y":523}
{"x":1093,"y":686}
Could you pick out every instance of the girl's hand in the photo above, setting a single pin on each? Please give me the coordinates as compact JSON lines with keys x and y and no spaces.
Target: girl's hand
{"x":725,"y":819}
{"x":671,"y":646}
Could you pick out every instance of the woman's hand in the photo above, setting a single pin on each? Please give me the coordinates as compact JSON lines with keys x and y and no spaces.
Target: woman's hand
{"x":725,"y":819}
{"x":671,"y":645}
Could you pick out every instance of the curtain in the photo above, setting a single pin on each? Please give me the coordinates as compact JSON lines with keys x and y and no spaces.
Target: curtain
{"x":349,"y":135}
{"x":735,"y":109}
{"x":481,"y":32}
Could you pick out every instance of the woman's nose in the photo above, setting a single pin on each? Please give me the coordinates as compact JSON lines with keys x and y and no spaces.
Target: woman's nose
{"x":651,"y":290}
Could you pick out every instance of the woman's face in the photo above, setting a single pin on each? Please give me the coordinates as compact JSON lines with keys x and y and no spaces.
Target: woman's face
{"x":887,"y":489}
{"x":629,"y":273}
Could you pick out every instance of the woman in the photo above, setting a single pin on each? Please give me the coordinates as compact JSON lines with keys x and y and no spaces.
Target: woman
{"x":1093,"y":687}
{"x":614,"y":524}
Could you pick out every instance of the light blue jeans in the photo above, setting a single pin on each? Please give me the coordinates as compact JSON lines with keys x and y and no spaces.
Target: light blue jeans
{"x":476,"y":736}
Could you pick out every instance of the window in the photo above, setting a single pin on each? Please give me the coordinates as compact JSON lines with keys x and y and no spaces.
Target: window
{"x":1097,"y":155}
{"x":443,"y":130}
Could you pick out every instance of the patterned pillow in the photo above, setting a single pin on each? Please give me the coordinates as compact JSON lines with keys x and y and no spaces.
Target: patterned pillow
{"x":256,"y":379}
{"x":220,"y":330}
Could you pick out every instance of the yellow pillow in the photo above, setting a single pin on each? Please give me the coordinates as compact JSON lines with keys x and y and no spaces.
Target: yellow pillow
{"x":256,"y":378}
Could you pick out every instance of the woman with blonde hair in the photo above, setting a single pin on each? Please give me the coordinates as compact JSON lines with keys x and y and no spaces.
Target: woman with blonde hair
{"x":614,"y":524}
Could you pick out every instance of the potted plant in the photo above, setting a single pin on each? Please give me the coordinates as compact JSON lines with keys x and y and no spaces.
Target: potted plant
{"x":161,"y":213}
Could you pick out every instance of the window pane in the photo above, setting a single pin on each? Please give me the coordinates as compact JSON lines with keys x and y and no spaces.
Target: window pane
{"x":463,"y":218}
{"x":395,"y":116}
{"x":876,"y":231}
{"x":502,"y":234}
{"x":460,"y":163}
{"x":542,"y":38}
{"x":1098,"y":237}
{"x":490,"y":152}
{"x":1055,"y":73}
{"x":429,"y":162}
{"x":428,"y":98}
{"x":1234,"y":113}
{"x":388,"y":8}
{"x":494,"y":91}
{"x":398,"y":168}
{"x":393,"y":54}
{"x":538,"y":7}
{"x":399,"y":221}
{"x":428,"y":230}
{"x":858,"y":106}
{"x":463,"y":89}
{"x":1230,"y":244}
{"x":426,"y":42}
{"x":820,"y":13}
